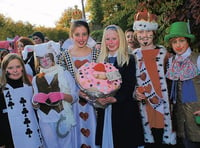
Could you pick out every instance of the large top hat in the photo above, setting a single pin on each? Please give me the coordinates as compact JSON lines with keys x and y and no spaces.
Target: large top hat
{"x":144,"y":20}
{"x":179,"y":29}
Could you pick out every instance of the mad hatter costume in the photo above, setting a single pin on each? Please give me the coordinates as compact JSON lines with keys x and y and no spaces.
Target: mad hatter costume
{"x":51,"y":86}
{"x":184,"y":70}
{"x":151,"y":60}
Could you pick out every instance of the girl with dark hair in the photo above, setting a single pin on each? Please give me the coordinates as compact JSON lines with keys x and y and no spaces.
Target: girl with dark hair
{"x":71,"y":59}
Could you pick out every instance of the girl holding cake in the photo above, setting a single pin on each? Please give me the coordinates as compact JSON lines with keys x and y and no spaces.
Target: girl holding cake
{"x":71,"y":59}
{"x":117,"y":123}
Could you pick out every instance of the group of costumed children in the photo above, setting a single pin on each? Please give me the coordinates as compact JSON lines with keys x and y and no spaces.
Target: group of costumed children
{"x":55,"y":89}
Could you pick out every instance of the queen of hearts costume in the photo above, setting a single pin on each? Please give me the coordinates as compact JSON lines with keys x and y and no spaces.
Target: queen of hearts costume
{"x":55,"y":115}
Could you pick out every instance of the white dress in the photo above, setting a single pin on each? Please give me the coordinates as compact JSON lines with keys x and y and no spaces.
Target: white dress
{"x":48,"y":122}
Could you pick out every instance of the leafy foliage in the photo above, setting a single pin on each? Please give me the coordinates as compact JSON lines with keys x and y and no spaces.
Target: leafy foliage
{"x":96,"y":14}
{"x":10,"y":29}
{"x":97,"y":35}
{"x":121,"y":12}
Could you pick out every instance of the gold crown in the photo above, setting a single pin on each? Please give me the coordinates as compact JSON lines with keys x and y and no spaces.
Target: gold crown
{"x":145,"y":15}
{"x":77,"y":13}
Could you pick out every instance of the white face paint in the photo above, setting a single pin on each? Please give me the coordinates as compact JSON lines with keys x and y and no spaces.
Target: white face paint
{"x":145,"y":37}
{"x":46,"y":61}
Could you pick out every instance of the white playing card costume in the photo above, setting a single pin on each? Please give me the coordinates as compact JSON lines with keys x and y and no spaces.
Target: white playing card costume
{"x":22,"y":119}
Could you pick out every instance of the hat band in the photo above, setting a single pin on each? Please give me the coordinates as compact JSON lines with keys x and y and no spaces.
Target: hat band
{"x":144,"y":25}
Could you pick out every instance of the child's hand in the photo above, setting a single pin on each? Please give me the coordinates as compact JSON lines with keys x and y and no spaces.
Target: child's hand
{"x":55,"y":96}
{"x":139,"y":94}
{"x":40,"y":98}
{"x":197,"y":113}
{"x":83,"y":95}
{"x":107,"y":100}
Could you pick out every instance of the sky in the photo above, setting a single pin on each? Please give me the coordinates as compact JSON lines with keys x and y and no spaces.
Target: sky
{"x":36,"y":12}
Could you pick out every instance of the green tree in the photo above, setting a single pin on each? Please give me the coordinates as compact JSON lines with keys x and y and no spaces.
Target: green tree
{"x":96,"y":13}
{"x":65,"y":19}
{"x":121,"y":12}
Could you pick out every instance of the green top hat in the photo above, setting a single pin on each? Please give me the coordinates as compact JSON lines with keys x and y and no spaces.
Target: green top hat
{"x":179,"y":29}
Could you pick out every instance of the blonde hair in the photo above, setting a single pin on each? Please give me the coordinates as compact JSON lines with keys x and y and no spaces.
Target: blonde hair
{"x":122,"y":56}
{"x":6,"y":60}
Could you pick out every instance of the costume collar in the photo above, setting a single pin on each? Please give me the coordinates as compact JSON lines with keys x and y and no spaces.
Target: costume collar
{"x":115,"y":55}
{"x":49,"y":70}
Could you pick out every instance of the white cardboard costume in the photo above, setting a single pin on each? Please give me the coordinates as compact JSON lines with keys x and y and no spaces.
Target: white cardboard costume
{"x":22,"y":119}
{"x":50,"y":122}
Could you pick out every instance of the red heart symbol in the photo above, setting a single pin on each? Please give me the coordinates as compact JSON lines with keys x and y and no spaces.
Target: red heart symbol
{"x":84,"y":116}
{"x":85,"y":132}
{"x":148,"y":88}
{"x":79,"y":63}
{"x":154,"y":100}
{"x":143,"y":76}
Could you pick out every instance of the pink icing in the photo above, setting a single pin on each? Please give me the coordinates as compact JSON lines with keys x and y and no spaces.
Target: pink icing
{"x":87,"y":80}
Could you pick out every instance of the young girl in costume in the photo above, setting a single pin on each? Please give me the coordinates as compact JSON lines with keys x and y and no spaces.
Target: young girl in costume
{"x":19,"y":127}
{"x":120,"y":120}
{"x":71,"y":59}
{"x":184,"y":71}
{"x":54,"y":92}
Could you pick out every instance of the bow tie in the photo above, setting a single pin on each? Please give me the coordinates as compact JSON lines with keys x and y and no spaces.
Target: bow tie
{"x":112,"y":59}
{"x":182,"y":69}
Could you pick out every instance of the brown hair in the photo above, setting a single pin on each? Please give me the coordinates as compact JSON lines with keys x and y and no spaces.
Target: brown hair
{"x":188,"y":40}
{"x":3,"y":53}
{"x":25,"y":41}
{"x":79,"y":23}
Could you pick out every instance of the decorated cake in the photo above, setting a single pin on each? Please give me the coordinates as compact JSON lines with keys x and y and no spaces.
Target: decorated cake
{"x":98,"y":79}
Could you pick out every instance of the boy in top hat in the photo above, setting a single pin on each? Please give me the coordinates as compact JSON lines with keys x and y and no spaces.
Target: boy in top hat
{"x":184,"y":70}
{"x":152,"y":86}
